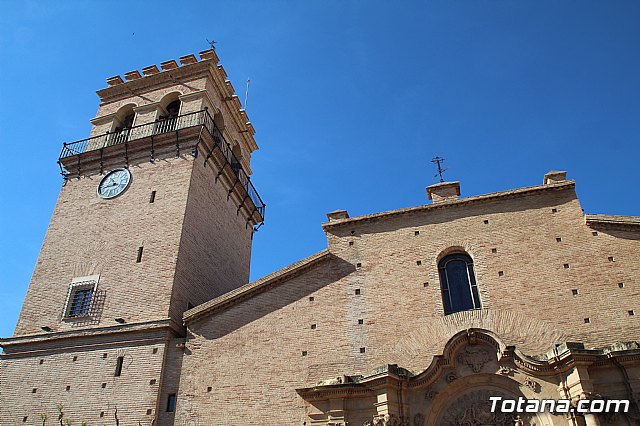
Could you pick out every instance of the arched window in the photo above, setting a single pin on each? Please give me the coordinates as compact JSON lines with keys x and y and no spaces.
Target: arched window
{"x":173,"y":109}
{"x":218,"y":120}
{"x":127,"y":122}
{"x":124,"y":118}
{"x":168,"y":112}
{"x":237,"y":156}
{"x":458,"y":281}
{"x":122,"y":125}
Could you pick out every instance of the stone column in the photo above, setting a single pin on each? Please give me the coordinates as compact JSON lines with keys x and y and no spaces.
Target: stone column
{"x":580,"y":387}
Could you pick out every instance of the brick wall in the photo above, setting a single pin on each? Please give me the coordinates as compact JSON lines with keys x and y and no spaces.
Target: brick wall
{"x":215,"y":247}
{"x":89,"y":235}
{"x":253,"y":351}
{"x":82,"y":379}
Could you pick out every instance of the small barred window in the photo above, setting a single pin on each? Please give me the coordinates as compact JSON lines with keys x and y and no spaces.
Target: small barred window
{"x":80,"y":296}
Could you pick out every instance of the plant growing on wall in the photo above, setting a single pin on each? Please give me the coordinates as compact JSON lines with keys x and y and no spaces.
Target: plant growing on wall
{"x":60,"y":408}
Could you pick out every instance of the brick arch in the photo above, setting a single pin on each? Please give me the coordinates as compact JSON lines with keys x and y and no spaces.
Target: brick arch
{"x":122,"y":113}
{"x":169,"y":97}
{"x":168,"y":92}
{"x":415,"y":349}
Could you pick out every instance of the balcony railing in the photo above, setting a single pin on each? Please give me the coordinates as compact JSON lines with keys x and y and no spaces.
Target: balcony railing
{"x":199,"y":118}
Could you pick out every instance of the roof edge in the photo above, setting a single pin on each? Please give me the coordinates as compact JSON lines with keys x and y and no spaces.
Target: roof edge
{"x":612,"y":220}
{"x":453,"y":203}
{"x":248,"y":290}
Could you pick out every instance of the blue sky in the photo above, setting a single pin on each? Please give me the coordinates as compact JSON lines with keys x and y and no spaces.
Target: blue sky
{"x":350,"y":100}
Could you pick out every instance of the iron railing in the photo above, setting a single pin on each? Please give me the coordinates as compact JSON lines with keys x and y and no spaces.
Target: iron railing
{"x":198,"y":118}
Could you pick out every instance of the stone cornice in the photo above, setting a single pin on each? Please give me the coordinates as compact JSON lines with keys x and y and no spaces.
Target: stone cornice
{"x":606,"y":220}
{"x":513,"y":193}
{"x":29,"y":339}
{"x":256,"y":287}
{"x":103,"y":119}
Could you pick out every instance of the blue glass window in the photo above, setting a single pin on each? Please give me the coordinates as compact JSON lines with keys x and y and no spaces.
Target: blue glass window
{"x":459,"y":289}
{"x":171,"y":403}
{"x":80,"y":302}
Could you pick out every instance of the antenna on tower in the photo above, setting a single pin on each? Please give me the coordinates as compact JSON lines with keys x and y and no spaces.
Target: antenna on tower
{"x":212,"y":43}
{"x":246,"y":96}
{"x":439,"y":161}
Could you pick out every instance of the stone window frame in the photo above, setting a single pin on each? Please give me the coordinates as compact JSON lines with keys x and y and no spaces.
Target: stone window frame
{"x":80,"y":283}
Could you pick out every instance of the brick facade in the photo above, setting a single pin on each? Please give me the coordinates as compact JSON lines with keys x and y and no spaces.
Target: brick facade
{"x":377,"y":290}
{"x":354,"y":335}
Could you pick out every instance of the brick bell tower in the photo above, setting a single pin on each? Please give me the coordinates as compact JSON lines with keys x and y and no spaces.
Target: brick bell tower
{"x":155,"y":216}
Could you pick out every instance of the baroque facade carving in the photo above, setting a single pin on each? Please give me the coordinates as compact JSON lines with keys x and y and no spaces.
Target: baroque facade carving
{"x":506,"y":371}
{"x":475,"y":357}
{"x":531,"y":384}
{"x":386,"y":420}
{"x":430,"y":395}
{"x":418,"y":419}
{"x":474,"y":409}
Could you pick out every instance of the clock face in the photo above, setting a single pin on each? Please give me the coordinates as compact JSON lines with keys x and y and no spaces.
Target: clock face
{"x":114,"y":183}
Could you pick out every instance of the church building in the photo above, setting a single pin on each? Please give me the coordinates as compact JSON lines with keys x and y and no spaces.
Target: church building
{"x":140,"y":310}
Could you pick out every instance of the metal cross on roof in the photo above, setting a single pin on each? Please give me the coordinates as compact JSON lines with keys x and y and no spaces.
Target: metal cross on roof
{"x":438,"y":161}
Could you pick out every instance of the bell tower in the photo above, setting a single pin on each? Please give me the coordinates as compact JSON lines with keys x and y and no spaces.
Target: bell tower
{"x":155,"y":216}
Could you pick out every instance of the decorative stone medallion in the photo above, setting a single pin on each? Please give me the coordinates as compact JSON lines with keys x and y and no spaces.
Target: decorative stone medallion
{"x":474,"y":356}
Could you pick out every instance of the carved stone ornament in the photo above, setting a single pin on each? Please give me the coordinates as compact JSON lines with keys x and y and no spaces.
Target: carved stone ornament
{"x":475,"y":357}
{"x":335,"y":381}
{"x":474,"y":409}
{"x":531,"y":384}
{"x":430,"y":395}
{"x":451,"y":377}
{"x":507,"y":371}
{"x":386,"y":420}
{"x":418,"y":420}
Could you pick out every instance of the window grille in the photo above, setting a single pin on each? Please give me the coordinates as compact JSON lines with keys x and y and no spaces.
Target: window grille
{"x":80,"y":297}
{"x":80,"y":302}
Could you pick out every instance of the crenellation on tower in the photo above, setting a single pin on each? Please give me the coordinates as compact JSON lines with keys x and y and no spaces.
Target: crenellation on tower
{"x":114,"y":81}
{"x":169,"y":65}
{"x":132,"y":75}
{"x":199,"y":85}
{"x":188,"y":59}
{"x":150,"y":70}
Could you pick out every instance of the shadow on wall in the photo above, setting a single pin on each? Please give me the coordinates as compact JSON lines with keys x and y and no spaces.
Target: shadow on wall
{"x":617,"y":233}
{"x":273,"y":298}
